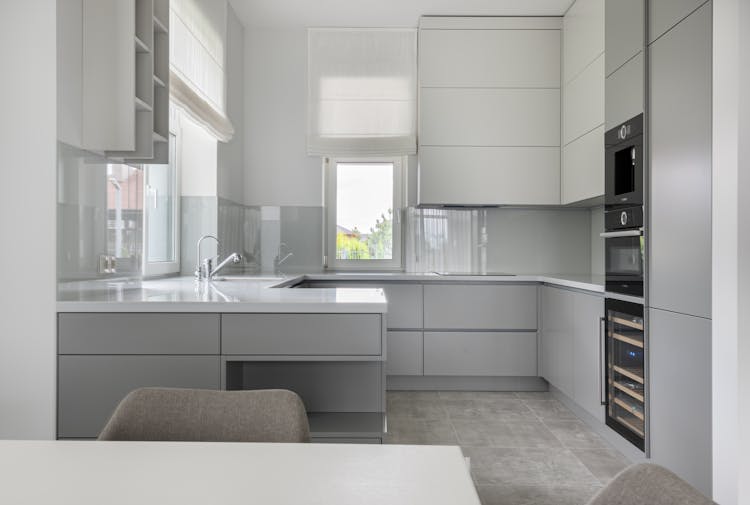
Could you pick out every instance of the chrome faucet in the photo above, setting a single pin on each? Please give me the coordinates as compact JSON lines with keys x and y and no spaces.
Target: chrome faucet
{"x":278,"y":260}
{"x":204,"y":270}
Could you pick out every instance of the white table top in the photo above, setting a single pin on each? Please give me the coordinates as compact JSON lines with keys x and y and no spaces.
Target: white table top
{"x":119,"y":473}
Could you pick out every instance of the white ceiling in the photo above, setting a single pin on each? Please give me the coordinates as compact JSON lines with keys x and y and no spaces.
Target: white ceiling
{"x":385,"y":13}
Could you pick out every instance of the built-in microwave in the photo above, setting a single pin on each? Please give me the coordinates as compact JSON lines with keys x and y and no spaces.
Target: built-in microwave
{"x":623,"y":177}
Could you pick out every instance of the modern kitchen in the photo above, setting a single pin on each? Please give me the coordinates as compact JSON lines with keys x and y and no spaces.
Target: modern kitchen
{"x":488,"y":251}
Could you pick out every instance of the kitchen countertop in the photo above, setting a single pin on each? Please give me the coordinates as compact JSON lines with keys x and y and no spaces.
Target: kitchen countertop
{"x":270,"y":294}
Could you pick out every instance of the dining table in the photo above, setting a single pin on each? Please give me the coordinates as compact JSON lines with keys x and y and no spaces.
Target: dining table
{"x":75,"y":472}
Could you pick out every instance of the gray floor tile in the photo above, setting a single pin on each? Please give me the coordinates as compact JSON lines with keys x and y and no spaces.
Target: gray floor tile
{"x":603,"y":463}
{"x":575,"y":434}
{"x":535,"y":495}
{"x":477,"y":395}
{"x":531,"y":467}
{"x":486,"y":433}
{"x":496,"y":409}
{"x":534,"y":395}
{"x":417,"y":431}
{"x":549,"y":409}
{"x":423,"y":404}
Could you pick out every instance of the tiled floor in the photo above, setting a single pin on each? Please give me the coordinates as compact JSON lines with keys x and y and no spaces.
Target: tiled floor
{"x":525,"y":448}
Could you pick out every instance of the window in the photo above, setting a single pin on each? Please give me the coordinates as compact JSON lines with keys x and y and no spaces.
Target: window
{"x":364,"y":200}
{"x":161,"y":245}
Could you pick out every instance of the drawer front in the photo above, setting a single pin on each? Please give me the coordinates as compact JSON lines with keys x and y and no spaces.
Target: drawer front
{"x":90,"y":387}
{"x":480,"y":353}
{"x":404,"y":353}
{"x":109,"y":333}
{"x":404,"y":300}
{"x":480,"y":307}
{"x":302,"y":334}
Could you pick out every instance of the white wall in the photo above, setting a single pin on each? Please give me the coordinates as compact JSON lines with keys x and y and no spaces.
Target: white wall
{"x":278,"y":170}
{"x":198,"y":159}
{"x":28,"y":142}
{"x":231,"y":162}
{"x":731,"y":252}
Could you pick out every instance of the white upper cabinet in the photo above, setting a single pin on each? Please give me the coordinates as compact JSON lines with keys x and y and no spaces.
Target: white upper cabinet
{"x":113,"y":80}
{"x":624,"y":32}
{"x":489,"y":115}
{"x":583,"y":102}
{"x":583,"y":36}
{"x":489,"y":58}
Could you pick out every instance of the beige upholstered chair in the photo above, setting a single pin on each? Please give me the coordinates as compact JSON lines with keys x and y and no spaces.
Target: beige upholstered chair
{"x":197,"y":415}
{"x":646,"y":484}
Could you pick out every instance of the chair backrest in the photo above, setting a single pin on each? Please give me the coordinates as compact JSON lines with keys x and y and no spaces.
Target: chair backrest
{"x":647,"y":484}
{"x":198,"y":415}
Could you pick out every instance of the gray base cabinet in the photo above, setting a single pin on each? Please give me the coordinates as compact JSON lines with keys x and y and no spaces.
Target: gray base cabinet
{"x":90,"y":387}
{"x":480,"y":353}
{"x":570,"y":345}
{"x":405,"y":352}
{"x":680,"y":395}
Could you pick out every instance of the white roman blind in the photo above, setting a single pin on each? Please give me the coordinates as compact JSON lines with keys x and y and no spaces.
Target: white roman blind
{"x":197,"y":50}
{"x":362,"y":92}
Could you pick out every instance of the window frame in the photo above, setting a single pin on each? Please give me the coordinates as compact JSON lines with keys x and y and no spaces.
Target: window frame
{"x":160,"y":268}
{"x":330,"y":261}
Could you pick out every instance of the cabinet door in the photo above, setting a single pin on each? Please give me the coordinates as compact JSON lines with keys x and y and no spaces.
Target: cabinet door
{"x":90,"y":387}
{"x":404,"y":350}
{"x":680,"y":250}
{"x":480,"y":307}
{"x":478,"y":353}
{"x":557,"y":310}
{"x":625,"y":23}
{"x":582,"y":174}
{"x":680,"y":395}
{"x":624,"y":92}
{"x":664,"y":14}
{"x":587,"y":357}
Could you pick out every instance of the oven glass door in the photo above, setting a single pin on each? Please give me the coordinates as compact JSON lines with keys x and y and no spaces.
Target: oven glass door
{"x":624,"y":264}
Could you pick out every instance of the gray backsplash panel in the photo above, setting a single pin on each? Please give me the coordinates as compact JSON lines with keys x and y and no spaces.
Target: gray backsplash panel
{"x":505,"y":240}
{"x":198,"y":217}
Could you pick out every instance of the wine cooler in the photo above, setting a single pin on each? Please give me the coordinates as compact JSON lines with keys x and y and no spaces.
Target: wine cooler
{"x":626,"y":384}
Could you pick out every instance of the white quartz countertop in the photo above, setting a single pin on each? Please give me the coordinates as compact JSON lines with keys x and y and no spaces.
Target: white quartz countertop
{"x":272,"y":294}
{"x":235,"y":294}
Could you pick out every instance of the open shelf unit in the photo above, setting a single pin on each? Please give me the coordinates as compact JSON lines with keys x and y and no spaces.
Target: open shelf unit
{"x":149,"y":143}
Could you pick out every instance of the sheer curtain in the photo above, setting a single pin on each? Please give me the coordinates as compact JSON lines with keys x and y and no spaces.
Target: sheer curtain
{"x":197,"y":60}
{"x":362,"y":86}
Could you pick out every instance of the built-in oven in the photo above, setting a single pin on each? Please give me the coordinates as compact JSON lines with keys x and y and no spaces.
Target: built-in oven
{"x":625,"y":377}
{"x":623,"y":178}
{"x":624,"y":254}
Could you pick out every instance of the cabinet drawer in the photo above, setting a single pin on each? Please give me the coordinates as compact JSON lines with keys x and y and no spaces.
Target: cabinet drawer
{"x":111,"y":333}
{"x":481,"y":307}
{"x":404,"y":300}
{"x":302,"y":334}
{"x":404,"y":353}
{"x":480,"y":353}
{"x":90,"y":387}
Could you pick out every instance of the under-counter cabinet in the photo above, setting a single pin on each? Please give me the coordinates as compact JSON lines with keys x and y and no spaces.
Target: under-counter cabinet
{"x":334,"y":361}
{"x":102,"y":357}
{"x":571,"y":346}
